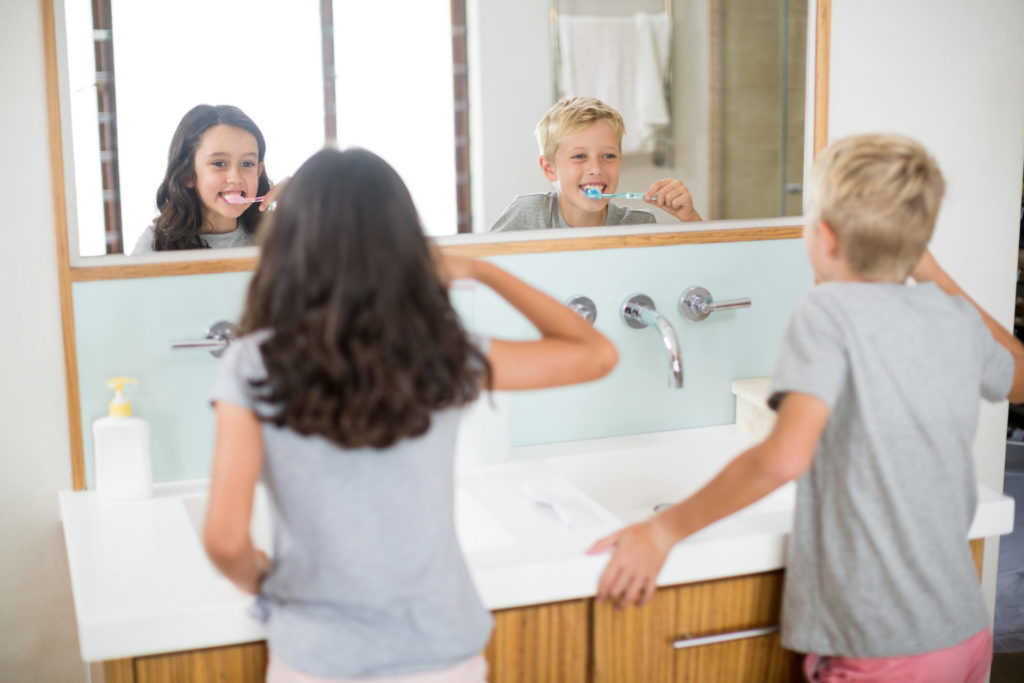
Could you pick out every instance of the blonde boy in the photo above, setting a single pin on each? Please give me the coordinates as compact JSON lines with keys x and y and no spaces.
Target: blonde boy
{"x":876,"y":389}
{"x":581,"y":147}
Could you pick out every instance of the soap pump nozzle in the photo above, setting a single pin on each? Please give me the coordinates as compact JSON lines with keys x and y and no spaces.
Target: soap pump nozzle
{"x":119,"y":406}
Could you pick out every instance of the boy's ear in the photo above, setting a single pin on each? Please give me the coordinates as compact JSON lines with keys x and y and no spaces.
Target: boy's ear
{"x":829,"y":240}
{"x":548,"y":168}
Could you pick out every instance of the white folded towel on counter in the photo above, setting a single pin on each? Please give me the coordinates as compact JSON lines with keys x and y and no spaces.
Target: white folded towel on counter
{"x":621,"y":61}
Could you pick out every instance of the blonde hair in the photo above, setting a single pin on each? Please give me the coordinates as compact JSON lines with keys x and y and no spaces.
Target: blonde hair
{"x":569,"y":115}
{"x":880,"y":194}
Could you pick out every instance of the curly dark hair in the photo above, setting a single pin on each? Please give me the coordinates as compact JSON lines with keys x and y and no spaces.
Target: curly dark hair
{"x":181,"y":218}
{"x":364,"y":344}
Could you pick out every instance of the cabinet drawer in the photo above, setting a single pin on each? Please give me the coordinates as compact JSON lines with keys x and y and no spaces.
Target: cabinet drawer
{"x":637,"y":644}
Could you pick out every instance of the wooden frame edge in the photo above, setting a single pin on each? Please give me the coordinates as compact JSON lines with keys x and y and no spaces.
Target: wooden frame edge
{"x":169,"y":269}
{"x":60,"y":221}
{"x":626,"y":241}
{"x":822,"y":63}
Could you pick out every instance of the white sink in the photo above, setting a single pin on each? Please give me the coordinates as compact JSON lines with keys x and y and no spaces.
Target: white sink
{"x":630,"y":482}
{"x":261,"y":528}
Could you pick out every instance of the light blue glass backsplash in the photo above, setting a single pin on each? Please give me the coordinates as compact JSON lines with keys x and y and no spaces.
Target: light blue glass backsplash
{"x":125,"y":327}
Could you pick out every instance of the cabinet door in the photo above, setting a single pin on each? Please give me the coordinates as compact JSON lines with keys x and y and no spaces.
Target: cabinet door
{"x":541,"y":644}
{"x":236,"y":663}
{"x":637,"y":644}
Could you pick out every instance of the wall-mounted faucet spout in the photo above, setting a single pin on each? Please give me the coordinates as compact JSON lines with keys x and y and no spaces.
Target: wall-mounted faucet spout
{"x":638,"y":312}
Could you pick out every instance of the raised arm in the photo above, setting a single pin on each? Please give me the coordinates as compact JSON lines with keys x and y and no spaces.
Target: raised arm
{"x":928,"y":270}
{"x":640,"y":550}
{"x":569,"y":351}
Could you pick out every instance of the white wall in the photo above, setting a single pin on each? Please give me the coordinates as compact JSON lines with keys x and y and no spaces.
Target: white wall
{"x":951,"y":75}
{"x":38,"y":640}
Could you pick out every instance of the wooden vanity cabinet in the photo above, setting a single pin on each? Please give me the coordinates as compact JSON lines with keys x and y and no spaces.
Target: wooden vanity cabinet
{"x":246,"y":663}
{"x":637,"y":644}
{"x":578,"y":641}
{"x":541,"y":644}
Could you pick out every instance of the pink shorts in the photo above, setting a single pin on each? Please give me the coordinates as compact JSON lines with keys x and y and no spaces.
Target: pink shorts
{"x":472,"y":670}
{"x":967,"y":662}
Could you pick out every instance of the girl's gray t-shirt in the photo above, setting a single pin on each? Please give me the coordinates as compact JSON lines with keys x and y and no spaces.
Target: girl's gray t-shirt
{"x":367,"y":577}
{"x":878,"y":562}
{"x":239,"y":237}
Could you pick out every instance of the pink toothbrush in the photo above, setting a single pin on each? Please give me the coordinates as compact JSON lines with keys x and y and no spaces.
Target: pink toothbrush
{"x":239,"y":199}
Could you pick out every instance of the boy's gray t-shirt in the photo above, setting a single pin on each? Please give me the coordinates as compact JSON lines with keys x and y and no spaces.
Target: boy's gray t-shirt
{"x":367,"y":578}
{"x":541,"y":210}
{"x":878,"y":562}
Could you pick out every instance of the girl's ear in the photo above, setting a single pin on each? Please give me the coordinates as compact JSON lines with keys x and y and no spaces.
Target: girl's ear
{"x":549,"y":169}
{"x":260,"y":171}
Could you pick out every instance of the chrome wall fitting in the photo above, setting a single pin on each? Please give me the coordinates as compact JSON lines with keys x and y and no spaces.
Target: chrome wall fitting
{"x":696,"y":304}
{"x":638,"y":312}
{"x":584,"y":307}
{"x":216,"y":338}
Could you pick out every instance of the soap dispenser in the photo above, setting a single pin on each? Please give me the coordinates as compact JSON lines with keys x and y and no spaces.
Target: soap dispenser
{"x":121,"y":449}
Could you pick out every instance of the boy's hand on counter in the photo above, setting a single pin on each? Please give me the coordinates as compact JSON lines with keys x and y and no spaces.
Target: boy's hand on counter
{"x":630,"y":577}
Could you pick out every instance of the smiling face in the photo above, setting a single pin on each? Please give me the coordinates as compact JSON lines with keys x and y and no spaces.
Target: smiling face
{"x":226,"y":164}
{"x":589,"y":158}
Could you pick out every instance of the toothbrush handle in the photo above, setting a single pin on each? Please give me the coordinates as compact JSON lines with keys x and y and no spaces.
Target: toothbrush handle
{"x":626,"y":195}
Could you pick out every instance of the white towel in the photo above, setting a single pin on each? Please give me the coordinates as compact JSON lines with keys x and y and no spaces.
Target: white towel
{"x":621,"y":61}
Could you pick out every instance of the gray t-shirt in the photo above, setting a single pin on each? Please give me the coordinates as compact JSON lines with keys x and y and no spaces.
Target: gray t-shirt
{"x":236,"y":238}
{"x":878,"y":562}
{"x":541,"y":210}
{"x":367,"y":577}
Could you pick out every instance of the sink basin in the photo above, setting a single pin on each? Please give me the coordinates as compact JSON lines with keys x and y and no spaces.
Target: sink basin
{"x":260,"y":528}
{"x":630,"y":482}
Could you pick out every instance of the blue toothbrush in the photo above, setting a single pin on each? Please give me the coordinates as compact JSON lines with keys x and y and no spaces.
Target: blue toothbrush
{"x":597,"y":194}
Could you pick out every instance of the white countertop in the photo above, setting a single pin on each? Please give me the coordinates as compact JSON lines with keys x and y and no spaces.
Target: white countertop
{"x":142,"y":583}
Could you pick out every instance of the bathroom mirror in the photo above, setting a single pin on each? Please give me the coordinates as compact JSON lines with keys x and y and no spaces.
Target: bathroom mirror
{"x":737,"y":102}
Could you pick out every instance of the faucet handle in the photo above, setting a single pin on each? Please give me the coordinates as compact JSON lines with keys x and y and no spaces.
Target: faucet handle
{"x":633,"y":308}
{"x":696,"y":303}
{"x":584,"y":307}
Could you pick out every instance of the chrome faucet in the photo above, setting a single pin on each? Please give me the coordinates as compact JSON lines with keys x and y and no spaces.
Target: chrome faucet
{"x":638,"y":312}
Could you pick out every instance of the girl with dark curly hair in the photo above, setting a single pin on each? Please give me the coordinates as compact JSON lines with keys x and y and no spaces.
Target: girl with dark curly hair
{"x":215,"y":163}
{"x":345,"y":395}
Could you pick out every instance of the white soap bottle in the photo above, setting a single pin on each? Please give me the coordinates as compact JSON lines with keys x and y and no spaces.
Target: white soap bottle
{"x":121,"y":449}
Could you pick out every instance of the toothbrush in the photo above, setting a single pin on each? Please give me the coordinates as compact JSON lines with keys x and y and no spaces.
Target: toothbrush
{"x":597,"y":194}
{"x":238,"y":199}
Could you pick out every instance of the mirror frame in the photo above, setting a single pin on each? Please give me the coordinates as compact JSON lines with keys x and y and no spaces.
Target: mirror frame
{"x":482,"y":246}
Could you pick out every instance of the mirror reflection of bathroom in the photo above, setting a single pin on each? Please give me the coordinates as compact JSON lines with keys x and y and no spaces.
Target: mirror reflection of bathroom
{"x":1008,"y":633}
{"x":734,"y":92}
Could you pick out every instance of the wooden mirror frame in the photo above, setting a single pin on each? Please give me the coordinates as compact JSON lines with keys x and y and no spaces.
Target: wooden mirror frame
{"x":67,"y":275}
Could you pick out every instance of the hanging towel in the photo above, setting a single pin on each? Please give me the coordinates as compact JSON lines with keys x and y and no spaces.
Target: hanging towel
{"x":621,"y":61}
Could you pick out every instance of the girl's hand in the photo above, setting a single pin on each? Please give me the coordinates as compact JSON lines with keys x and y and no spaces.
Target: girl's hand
{"x":272,"y":195}
{"x":252,"y":581}
{"x":630,"y":577}
{"x":674,"y":198}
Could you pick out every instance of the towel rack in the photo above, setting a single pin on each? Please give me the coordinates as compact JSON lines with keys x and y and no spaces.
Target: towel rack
{"x":664,"y":143}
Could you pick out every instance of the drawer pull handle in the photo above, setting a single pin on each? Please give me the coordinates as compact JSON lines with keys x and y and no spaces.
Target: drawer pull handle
{"x":724,"y":637}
